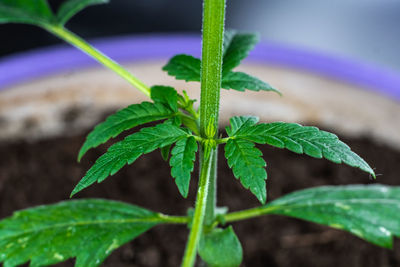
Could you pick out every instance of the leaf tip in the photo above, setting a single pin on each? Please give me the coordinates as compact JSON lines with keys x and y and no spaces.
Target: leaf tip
{"x":82,"y":152}
{"x":76,"y":190}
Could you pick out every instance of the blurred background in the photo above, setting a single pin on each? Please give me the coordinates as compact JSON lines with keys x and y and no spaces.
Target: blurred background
{"x":364,"y":30}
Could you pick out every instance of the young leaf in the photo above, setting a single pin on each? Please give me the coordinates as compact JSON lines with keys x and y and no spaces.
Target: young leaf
{"x":241,"y":81}
{"x":70,"y":8}
{"x":371,"y":212}
{"x":304,"y":139}
{"x":184,"y":67}
{"x":165,"y":95}
{"x":122,"y":120}
{"x":221,"y":248}
{"x":236,"y":48}
{"x":128,"y":150}
{"x":248,"y":165}
{"x":182,"y":163}
{"x":86,"y":229}
{"x":35,"y":12}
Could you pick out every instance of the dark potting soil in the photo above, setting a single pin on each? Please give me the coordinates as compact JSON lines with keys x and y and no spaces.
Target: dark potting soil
{"x":43,"y":172}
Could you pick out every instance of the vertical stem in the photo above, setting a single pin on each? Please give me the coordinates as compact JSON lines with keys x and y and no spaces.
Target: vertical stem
{"x":211,"y":62}
{"x":81,"y":44}
{"x":212,"y":191}
{"x":198,"y":217}
{"x":211,"y":76}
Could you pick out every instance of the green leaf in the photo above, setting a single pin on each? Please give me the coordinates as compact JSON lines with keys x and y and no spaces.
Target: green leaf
{"x":86,"y":229}
{"x":182,"y":160}
{"x":371,"y":212}
{"x":128,"y":150}
{"x":71,"y":7}
{"x":221,"y":248}
{"x":125,"y":119}
{"x":184,"y":67}
{"x":35,"y":12}
{"x":165,"y":152}
{"x":241,"y":81}
{"x":240,"y":122}
{"x":165,"y":95}
{"x":303,"y":139}
{"x":38,"y":12}
{"x":248,"y":165}
{"x":236,"y":48}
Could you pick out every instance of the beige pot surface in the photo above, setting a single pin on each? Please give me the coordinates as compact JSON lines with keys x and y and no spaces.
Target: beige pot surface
{"x":47,"y":107}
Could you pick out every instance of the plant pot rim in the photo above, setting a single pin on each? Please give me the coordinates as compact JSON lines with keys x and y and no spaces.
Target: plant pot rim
{"x":38,"y":63}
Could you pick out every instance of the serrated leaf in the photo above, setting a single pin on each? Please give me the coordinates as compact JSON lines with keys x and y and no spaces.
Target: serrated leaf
{"x":241,"y":81}
{"x":86,"y":229}
{"x":248,"y":165}
{"x":35,"y":12}
{"x":165,"y":95}
{"x":182,"y":160}
{"x":70,"y":8}
{"x":124,"y":119}
{"x":165,"y":150}
{"x":236,"y":48}
{"x":221,"y":248}
{"x":38,"y":12}
{"x":304,"y":139}
{"x":184,"y":67}
{"x":128,"y":150}
{"x":371,"y":212}
{"x":239,"y":122}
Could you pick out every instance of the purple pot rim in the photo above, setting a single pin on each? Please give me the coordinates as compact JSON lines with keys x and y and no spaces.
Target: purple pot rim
{"x":38,"y":63}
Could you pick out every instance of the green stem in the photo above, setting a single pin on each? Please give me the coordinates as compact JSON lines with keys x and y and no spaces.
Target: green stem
{"x":78,"y":42}
{"x":212,"y":191}
{"x":199,"y":214}
{"x":173,"y":219}
{"x":249,"y":213}
{"x":211,"y":76}
{"x":211,"y":62}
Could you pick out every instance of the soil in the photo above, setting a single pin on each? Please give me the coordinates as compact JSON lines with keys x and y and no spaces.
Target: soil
{"x":42,"y":172}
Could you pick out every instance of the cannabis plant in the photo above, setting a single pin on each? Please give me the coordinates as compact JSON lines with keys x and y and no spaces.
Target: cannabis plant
{"x":89,"y":230}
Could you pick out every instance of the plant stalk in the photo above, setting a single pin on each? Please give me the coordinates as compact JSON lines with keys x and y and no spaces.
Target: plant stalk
{"x":212,"y":191}
{"x":211,"y":62}
{"x":211,"y":76}
{"x":81,"y":44}
{"x":198,"y":218}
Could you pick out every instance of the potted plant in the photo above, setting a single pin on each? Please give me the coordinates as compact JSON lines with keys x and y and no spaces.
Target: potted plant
{"x":183,"y":134}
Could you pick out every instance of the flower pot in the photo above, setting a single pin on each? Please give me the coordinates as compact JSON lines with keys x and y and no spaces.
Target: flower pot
{"x":49,"y":98}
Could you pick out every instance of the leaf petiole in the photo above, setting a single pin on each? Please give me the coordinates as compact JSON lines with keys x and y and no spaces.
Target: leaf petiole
{"x":81,"y":44}
{"x":173,"y":219}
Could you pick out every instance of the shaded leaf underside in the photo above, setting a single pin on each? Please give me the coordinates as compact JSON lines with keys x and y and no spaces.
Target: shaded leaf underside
{"x":221,"y":248}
